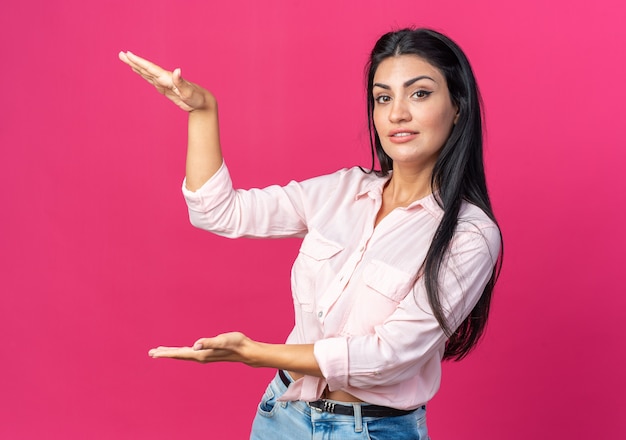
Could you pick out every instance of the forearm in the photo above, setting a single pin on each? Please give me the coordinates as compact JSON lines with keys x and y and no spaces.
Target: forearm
{"x":204,"y":156}
{"x":298,"y":358}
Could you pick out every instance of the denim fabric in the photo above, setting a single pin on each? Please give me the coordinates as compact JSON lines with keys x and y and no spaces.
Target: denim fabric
{"x":298,"y":421}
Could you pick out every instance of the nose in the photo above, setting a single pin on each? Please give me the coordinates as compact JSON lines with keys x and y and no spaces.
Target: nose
{"x":399,"y":111}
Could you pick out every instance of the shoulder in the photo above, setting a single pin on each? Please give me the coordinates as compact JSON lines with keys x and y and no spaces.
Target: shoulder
{"x":475,"y":229}
{"x":472,"y":217}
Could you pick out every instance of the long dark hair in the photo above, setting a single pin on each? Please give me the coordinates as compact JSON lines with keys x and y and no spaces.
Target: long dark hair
{"x":458,"y":174}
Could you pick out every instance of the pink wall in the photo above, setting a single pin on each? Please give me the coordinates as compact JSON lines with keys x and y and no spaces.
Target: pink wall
{"x":98,"y":262}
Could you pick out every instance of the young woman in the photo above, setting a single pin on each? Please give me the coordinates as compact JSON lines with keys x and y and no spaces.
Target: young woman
{"x":397,"y":266}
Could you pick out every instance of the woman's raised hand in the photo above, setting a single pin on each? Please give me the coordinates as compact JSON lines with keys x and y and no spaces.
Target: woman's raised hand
{"x":187,"y":95}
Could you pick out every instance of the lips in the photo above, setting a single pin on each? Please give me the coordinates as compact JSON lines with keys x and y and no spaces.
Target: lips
{"x":401,"y":136}
{"x":404,"y":133}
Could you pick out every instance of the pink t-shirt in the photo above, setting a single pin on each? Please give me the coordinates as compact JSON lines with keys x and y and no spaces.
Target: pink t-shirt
{"x":354,"y":285}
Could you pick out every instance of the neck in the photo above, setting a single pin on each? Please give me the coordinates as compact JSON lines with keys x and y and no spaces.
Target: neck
{"x":407,"y":186}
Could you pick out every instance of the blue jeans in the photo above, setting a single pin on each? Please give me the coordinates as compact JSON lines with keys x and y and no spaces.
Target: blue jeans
{"x":298,"y":421}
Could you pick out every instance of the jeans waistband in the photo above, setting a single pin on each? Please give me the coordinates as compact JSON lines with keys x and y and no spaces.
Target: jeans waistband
{"x":367,"y":410}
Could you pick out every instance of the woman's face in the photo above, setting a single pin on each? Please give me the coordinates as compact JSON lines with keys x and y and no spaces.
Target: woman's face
{"x":413,"y":111}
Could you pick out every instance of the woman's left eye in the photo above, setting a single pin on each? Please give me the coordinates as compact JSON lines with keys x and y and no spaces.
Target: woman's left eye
{"x":421,"y":94}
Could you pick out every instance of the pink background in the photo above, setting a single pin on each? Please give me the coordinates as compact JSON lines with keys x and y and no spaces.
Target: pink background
{"x":98,"y":262}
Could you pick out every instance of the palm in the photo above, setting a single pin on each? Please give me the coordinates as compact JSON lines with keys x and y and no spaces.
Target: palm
{"x":224,"y":347}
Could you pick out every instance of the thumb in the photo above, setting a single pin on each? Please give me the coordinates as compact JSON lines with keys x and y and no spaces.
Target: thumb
{"x":201,"y":344}
{"x":177,"y":77}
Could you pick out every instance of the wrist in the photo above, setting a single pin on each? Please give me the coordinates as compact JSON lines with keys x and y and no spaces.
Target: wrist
{"x":208,"y":104}
{"x":252,"y":353}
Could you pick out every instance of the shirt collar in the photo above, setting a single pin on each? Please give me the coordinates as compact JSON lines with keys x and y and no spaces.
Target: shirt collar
{"x":374,"y":189}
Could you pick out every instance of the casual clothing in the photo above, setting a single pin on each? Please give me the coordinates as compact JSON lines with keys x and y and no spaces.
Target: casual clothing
{"x":354,"y":285}
{"x":296,"y":420}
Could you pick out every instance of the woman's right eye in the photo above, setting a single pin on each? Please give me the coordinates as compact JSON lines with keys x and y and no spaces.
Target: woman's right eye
{"x":382,"y":99}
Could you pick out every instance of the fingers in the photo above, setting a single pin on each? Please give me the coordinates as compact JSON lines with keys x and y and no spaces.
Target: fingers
{"x":141,"y":64}
{"x":151,"y":72}
{"x":188,"y":354}
{"x":180,"y":353}
{"x":167,"y":351}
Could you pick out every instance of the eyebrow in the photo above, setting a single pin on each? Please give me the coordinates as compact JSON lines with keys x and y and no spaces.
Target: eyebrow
{"x":406,"y":83}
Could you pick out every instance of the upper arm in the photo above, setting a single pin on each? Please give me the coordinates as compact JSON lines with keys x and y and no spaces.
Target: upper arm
{"x":271,"y":212}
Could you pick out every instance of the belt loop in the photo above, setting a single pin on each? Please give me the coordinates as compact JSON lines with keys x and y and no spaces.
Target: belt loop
{"x":358,"y":421}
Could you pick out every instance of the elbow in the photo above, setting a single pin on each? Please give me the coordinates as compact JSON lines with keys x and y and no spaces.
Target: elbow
{"x":203,"y":220}
{"x":208,"y":221}
{"x":196,"y":220}
{"x":382,"y":371}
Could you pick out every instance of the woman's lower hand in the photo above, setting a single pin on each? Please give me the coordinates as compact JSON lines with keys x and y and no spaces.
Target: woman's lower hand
{"x":227,"y":347}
